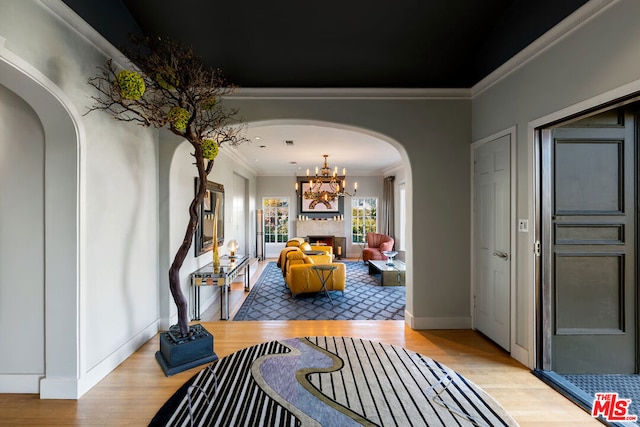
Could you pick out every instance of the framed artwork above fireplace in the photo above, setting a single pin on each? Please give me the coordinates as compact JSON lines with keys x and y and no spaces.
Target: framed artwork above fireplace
{"x":318,"y":209}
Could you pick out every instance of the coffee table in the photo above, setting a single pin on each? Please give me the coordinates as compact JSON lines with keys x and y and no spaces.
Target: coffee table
{"x":390,"y":274}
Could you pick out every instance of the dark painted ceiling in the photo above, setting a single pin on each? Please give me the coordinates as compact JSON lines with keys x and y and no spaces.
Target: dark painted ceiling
{"x":338,"y":44}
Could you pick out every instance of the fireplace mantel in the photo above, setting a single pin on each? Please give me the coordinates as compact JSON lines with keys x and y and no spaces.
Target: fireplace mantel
{"x":319,"y":227}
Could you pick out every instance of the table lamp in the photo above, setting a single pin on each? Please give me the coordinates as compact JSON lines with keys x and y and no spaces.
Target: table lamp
{"x":233,"y":247}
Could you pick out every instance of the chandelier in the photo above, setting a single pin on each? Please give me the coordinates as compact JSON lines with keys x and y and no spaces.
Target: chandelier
{"x":326,"y":186}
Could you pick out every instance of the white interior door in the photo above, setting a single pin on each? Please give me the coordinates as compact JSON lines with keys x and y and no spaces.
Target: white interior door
{"x":492,"y":239}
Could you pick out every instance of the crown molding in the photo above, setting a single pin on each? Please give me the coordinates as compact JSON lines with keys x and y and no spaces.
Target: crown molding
{"x":564,"y":28}
{"x":67,"y":15}
{"x":233,"y":155}
{"x":571,"y":23}
{"x":350,"y":93}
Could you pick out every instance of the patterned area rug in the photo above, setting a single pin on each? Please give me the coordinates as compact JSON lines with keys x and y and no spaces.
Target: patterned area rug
{"x":329,"y":381}
{"x":363,"y":299}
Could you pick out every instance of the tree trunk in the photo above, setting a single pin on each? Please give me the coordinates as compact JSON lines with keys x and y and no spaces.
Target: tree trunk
{"x":174,"y":270}
{"x":181,"y":254}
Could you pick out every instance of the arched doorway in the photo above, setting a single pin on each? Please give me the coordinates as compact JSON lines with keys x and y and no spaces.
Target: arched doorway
{"x":62,"y":225}
{"x":173,"y":163}
{"x":368,"y":147}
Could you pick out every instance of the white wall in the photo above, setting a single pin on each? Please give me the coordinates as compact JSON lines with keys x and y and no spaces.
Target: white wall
{"x":21,"y":237}
{"x":595,"y":63}
{"x":113,"y":267}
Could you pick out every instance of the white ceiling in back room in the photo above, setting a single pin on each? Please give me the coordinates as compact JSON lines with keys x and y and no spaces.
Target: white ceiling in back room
{"x":278,"y":150}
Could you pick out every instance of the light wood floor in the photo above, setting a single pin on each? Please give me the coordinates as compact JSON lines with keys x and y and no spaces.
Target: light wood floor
{"x":132,"y":394}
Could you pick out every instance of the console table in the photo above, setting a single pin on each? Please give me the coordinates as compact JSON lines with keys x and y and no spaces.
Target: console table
{"x":230,"y":268}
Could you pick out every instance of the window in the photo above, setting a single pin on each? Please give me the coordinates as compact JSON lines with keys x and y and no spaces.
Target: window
{"x":276,"y":219}
{"x":363,"y":217}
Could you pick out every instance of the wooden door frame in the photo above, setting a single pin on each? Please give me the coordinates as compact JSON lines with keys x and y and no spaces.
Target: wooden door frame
{"x":544,"y":329}
{"x":511,"y":132}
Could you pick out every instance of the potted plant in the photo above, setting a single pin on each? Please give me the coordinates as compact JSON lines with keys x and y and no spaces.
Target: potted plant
{"x":170,"y":87}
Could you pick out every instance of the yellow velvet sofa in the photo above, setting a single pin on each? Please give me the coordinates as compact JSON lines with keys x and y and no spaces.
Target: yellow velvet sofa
{"x":298,"y":244}
{"x":301,"y":278}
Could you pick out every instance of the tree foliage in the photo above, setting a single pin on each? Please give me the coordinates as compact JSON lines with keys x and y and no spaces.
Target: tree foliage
{"x":180,"y":92}
{"x":170,"y":87}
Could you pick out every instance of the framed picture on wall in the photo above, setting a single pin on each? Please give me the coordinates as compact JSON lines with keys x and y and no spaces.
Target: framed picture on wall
{"x":206,"y":216}
{"x":317,"y":205}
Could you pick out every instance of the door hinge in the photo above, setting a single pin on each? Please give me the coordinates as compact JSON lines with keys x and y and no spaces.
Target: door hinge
{"x":536,"y":248}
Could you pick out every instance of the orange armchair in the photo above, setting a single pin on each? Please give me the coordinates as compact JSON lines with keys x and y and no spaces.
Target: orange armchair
{"x":376,"y":244}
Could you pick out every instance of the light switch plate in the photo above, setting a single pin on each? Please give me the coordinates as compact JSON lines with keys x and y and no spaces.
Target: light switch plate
{"x":523,"y":225}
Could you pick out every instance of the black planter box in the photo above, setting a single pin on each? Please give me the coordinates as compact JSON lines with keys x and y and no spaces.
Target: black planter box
{"x":179,"y":353}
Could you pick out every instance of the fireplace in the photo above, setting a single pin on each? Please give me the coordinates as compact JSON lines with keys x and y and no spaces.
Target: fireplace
{"x":322,"y":240}
{"x":330,"y":232}
{"x":337,"y":243}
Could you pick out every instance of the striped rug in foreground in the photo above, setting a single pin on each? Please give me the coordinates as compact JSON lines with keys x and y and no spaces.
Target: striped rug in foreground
{"x":329,"y":381}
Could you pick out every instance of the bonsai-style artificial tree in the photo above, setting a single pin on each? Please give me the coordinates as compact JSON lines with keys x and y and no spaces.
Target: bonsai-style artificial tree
{"x":172,"y":88}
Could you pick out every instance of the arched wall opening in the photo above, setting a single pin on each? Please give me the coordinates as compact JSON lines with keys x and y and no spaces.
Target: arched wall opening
{"x":434,"y":139}
{"x":62,"y":225}
{"x":171,"y":164}
{"x":434,"y":135}
{"x":404,"y":166}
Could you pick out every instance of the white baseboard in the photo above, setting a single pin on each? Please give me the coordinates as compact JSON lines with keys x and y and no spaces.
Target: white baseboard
{"x":437,"y":322}
{"x":23,"y":383}
{"x":59,"y":388}
{"x":66,"y":388}
{"x":165,"y":323}
{"x":521,"y":354}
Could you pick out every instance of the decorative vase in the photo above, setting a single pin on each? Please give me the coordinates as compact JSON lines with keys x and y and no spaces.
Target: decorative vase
{"x":216,"y":258}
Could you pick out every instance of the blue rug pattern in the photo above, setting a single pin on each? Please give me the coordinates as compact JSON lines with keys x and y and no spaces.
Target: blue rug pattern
{"x":363,"y":299}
